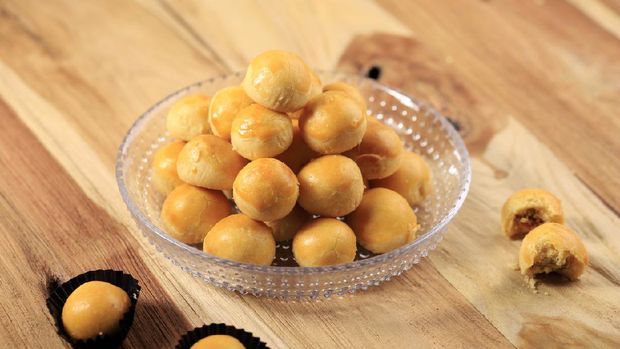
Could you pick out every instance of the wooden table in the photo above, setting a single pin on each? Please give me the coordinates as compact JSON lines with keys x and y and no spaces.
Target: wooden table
{"x":533,"y":85}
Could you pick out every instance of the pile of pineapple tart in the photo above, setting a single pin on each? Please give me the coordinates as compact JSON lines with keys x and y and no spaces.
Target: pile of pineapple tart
{"x":294,"y":156}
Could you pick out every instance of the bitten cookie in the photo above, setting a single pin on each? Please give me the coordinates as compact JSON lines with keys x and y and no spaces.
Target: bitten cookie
{"x":528,"y":208}
{"x":552,"y":247}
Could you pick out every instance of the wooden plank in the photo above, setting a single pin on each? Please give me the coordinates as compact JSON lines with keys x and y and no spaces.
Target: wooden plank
{"x":51,"y":231}
{"x":475,"y":256}
{"x":88,"y":70}
{"x":317,"y":30}
{"x":604,"y":13}
{"x":51,"y":211}
{"x":95,"y":84}
{"x":436,"y":315}
{"x":561,"y":81}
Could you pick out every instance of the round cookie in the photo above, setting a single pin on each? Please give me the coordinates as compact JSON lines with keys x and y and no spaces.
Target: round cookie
{"x":412,"y":180}
{"x":224,"y":107}
{"x":298,"y":153}
{"x":266,"y":190}
{"x":528,"y":208}
{"x":552,"y":247}
{"x":209,"y":161}
{"x":241,"y":239}
{"x":258,"y":132}
{"x":189,"y":212}
{"x":383,"y":221}
{"x":324,"y":241}
{"x":164,"y":167}
{"x":279,"y":80}
{"x":330,"y":186}
{"x":189,"y":117}
{"x":379,"y":153}
{"x":332,"y":123}
{"x":315,"y":91}
{"x":285,"y":228}
{"x":218,"y":341}
{"x":348,"y":89}
{"x":94,"y":307}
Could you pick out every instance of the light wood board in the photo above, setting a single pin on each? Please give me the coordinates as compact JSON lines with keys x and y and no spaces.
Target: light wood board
{"x":532,"y":84}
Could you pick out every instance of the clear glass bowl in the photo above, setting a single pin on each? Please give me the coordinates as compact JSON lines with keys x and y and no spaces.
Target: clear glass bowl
{"x":420,"y":127}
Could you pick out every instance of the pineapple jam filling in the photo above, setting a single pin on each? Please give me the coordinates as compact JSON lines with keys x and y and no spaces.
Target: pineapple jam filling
{"x":526,"y":221}
{"x":549,"y":260}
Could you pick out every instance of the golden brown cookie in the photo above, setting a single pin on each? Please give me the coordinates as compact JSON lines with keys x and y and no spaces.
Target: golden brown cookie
{"x":266,"y":190}
{"x":164,"y":166}
{"x":218,"y":341}
{"x":383,"y":221}
{"x":258,"y":132}
{"x":285,"y":228}
{"x":189,"y":117}
{"x":189,"y":212}
{"x":552,"y":247}
{"x":224,"y":107}
{"x":330,"y":186}
{"x":94,"y":307}
{"x":379,"y":153}
{"x":349,"y":89}
{"x":279,"y":80}
{"x":528,"y":208}
{"x":298,"y":153}
{"x":332,"y":123}
{"x":241,"y":239}
{"x":210,"y":162}
{"x":412,"y":180}
{"x":324,"y":241}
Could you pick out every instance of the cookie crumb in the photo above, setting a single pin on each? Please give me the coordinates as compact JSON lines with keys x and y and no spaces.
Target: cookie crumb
{"x":531,"y":283}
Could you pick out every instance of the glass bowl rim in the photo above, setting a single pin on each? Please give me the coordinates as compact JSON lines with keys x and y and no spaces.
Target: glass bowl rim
{"x":410,"y":102}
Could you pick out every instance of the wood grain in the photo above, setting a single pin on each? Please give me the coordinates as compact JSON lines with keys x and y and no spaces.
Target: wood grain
{"x":52,"y":232}
{"x":317,"y":30}
{"x":476,"y":257}
{"x":197,"y":301}
{"x":561,"y":81}
{"x":86,"y":238}
{"x":78,"y":75}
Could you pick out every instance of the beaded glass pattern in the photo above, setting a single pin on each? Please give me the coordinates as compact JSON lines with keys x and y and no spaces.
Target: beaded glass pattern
{"x":421,"y":129}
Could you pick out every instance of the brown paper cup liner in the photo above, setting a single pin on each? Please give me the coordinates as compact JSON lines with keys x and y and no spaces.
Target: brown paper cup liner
{"x":246,"y":338}
{"x":59,"y":295}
